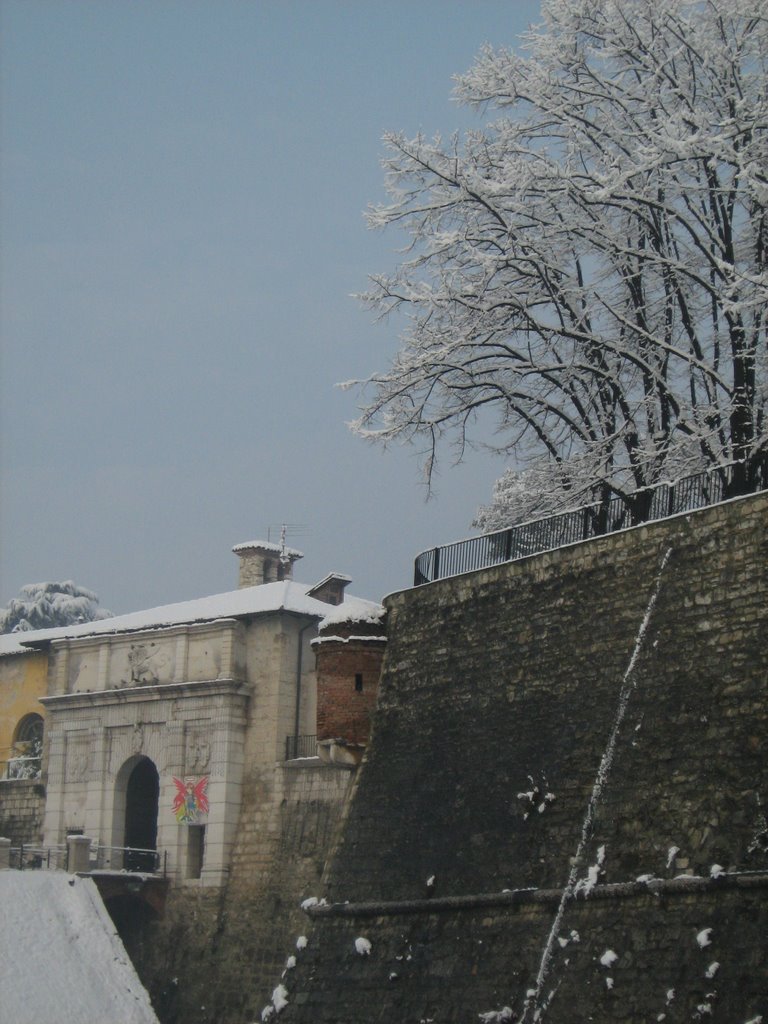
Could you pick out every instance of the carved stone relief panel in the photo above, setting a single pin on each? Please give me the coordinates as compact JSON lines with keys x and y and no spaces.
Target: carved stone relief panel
{"x":144,"y":663}
{"x":197,"y":755}
{"x":77,"y":756}
{"x":137,"y":738}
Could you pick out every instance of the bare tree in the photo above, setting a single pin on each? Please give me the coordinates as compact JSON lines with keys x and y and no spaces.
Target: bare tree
{"x":591,"y":265}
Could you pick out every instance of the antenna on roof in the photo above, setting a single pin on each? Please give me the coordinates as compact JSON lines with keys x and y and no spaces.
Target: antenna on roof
{"x":283,"y":557}
{"x":286,"y":531}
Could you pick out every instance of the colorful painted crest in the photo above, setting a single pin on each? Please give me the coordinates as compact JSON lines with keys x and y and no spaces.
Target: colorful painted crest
{"x":190,"y":801}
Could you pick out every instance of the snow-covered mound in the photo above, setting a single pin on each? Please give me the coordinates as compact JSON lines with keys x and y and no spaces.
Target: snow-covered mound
{"x":60,"y":956}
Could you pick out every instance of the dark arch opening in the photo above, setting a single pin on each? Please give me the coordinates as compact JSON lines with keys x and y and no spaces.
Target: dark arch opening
{"x":141,"y":805}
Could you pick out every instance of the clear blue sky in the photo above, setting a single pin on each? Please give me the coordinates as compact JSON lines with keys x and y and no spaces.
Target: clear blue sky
{"x":183,"y":186}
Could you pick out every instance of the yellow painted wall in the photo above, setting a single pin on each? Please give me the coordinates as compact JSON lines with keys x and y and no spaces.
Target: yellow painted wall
{"x":23,"y":679}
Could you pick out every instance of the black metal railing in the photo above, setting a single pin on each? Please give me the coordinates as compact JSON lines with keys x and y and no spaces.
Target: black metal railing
{"x":644,"y":506}
{"x":300,"y":746}
{"x":30,"y":857}
{"x":128,"y":859}
{"x":125,"y":859}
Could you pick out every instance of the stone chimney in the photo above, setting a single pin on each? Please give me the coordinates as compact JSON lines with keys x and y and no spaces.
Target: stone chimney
{"x":262,"y":562}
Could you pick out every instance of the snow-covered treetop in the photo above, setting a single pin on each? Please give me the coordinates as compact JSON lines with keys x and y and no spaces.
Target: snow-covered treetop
{"x":46,"y":605}
{"x":590,"y":266}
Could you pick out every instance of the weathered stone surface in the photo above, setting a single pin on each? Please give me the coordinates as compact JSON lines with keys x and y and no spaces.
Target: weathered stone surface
{"x":450,"y":967}
{"x":216,"y":955}
{"x":499,"y":695}
{"x":22,"y":804}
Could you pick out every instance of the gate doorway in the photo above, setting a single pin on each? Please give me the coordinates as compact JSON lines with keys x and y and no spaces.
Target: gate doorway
{"x":141,"y":806}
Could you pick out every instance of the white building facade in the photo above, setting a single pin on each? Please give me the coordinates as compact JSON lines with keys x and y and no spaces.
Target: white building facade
{"x":149,"y":716}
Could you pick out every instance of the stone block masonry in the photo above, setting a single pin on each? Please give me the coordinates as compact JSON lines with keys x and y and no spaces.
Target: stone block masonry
{"x":22,"y":803}
{"x":450,"y":965}
{"x":217,"y":954}
{"x":499,"y":695}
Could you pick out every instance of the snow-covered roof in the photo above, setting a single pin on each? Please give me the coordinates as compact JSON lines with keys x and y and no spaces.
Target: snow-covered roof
{"x":9,"y":643}
{"x":285,"y":596}
{"x":342,"y":577}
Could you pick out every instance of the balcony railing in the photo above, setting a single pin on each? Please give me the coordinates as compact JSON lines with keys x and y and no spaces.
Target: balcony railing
{"x":300,"y":746}
{"x":125,"y":859}
{"x":29,"y":857}
{"x":22,"y":767}
{"x":647,"y":505}
{"x":129,"y":859}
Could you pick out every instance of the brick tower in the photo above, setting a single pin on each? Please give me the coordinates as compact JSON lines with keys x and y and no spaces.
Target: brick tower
{"x":349,"y":651}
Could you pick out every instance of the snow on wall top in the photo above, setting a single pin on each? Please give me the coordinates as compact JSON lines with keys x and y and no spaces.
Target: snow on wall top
{"x":265,"y":545}
{"x":9,"y":643}
{"x":60,"y":955}
{"x":285,"y":596}
{"x":354,"y":609}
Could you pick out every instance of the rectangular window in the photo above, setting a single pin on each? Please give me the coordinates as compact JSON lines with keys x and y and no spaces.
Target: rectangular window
{"x":195,"y":850}
{"x":359,"y":682}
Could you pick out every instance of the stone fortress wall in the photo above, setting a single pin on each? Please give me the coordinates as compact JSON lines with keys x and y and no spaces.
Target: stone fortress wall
{"x":491,"y":781}
{"x":449,"y":849}
{"x":215,"y":954}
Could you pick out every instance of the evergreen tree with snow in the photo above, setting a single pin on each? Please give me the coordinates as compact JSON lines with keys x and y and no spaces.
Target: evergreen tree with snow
{"x":46,"y":605}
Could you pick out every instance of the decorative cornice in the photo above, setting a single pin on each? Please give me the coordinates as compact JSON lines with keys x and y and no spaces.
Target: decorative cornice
{"x":144,"y":694}
{"x":176,"y":629}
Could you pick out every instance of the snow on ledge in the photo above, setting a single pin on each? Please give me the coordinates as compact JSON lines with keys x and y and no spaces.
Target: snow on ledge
{"x":265,"y":545}
{"x":348,"y":639}
{"x":354,"y":609}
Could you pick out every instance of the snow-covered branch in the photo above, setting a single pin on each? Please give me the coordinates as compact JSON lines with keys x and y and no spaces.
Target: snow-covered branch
{"x":591,"y":265}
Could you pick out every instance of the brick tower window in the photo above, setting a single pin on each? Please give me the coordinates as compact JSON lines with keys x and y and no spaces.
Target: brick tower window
{"x":359,"y":682}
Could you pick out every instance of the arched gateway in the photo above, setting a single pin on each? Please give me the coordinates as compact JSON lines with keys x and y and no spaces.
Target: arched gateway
{"x":136,"y":803}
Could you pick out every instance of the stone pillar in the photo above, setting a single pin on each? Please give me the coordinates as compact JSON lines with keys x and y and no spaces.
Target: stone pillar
{"x":5,"y":854}
{"x":79,"y":850}
{"x":182,"y":657}
{"x":104,"y":653}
